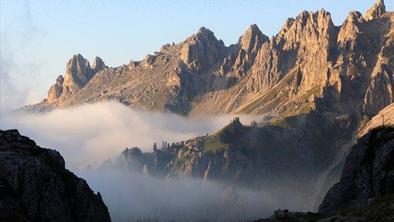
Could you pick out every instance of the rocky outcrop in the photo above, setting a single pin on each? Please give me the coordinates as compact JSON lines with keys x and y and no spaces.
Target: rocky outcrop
{"x":368,"y":172}
{"x":376,"y":11}
{"x":35,"y":186}
{"x":56,"y":90}
{"x":79,"y":72}
{"x":202,"y":50}
{"x":98,"y":65}
{"x":243,"y":54}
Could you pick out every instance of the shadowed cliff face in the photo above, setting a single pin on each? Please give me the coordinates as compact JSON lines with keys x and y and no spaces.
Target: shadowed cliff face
{"x":35,"y":186}
{"x":365,"y":191}
{"x":368,"y":172}
{"x":270,"y":158}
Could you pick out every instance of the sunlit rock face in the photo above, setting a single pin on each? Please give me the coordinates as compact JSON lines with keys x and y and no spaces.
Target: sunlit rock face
{"x":310,"y":64}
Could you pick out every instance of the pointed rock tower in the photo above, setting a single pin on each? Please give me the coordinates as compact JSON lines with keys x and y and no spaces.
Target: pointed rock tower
{"x":377,"y":10}
{"x":201,"y":50}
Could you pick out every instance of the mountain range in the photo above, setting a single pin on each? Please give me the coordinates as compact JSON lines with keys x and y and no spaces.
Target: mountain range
{"x":310,"y":64}
{"x":311,"y":81}
{"x":316,"y":87}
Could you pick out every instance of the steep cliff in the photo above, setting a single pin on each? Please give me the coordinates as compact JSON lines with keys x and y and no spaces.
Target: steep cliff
{"x":35,"y":186}
{"x":366,"y":189}
{"x":368,"y":173}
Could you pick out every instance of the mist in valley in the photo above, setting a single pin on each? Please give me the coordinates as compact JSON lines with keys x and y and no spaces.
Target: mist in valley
{"x":88,"y":135}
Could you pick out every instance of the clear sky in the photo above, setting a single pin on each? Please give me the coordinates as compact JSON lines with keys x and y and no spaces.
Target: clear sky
{"x":38,"y":37}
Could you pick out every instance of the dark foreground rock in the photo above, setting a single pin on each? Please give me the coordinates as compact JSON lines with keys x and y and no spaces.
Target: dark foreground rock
{"x":35,"y":186}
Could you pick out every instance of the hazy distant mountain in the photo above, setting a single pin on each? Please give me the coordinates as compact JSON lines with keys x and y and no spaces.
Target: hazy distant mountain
{"x":309,"y":64}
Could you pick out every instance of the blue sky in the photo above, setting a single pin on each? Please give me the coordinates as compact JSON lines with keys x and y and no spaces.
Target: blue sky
{"x":38,"y":37}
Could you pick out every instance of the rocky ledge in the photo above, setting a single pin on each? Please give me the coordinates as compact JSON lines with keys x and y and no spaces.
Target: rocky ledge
{"x":35,"y":186}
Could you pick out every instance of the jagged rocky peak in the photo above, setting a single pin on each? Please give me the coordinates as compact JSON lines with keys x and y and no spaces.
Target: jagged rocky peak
{"x":201,"y":50}
{"x":377,"y":10}
{"x":289,"y":22}
{"x":355,"y":16}
{"x":242,"y":58}
{"x":252,"y":39}
{"x":350,"y":27}
{"x":98,"y":64}
{"x":306,"y":26}
{"x":79,"y":72}
{"x":291,"y":71}
{"x":309,"y":35}
{"x":250,"y":43}
{"x":56,"y":90}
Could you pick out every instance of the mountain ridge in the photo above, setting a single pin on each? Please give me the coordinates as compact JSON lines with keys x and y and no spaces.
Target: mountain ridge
{"x":310,"y":62}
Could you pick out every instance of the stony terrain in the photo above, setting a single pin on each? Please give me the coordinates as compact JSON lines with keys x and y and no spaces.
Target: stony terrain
{"x":35,"y":186}
{"x":365,"y":191}
{"x":310,"y":64}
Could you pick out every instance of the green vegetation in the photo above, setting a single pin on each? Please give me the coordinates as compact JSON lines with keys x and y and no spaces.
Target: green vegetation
{"x":282,"y":123}
{"x":214,"y":143}
{"x":215,"y":146}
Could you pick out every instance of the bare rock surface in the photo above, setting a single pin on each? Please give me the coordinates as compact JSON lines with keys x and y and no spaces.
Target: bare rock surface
{"x":35,"y":186}
{"x":310,"y":64}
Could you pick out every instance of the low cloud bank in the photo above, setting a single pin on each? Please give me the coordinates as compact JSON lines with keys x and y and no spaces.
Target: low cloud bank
{"x":90,"y":134}
{"x":133,"y":197}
